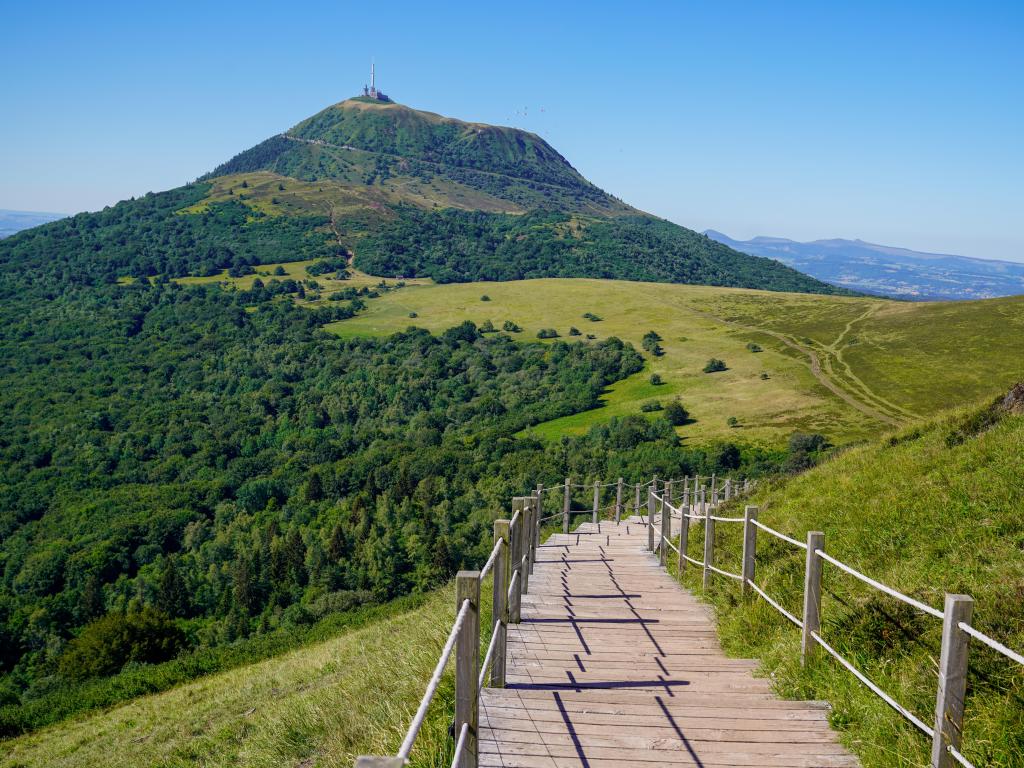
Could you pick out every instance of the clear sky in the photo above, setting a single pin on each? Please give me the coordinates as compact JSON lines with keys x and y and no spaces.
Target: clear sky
{"x":896,"y":122}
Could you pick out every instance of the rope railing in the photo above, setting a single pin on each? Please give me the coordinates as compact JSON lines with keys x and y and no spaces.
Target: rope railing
{"x":511,"y":562}
{"x":930,"y":732}
{"x":435,"y":680}
{"x":778,"y":535}
{"x":879,"y":585}
{"x":957,"y":630}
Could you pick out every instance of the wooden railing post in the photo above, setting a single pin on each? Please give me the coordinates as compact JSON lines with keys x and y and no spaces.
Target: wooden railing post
{"x":709,"y":543}
{"x":650,"y":519}
{"x":524,"y":507}
{"x":538,"y":507}
{"x":714,"y":489}
{"x":618,"y":502}
{"x":686,"y":494}
{"x":949,"y":704}
{"x":499,"y":603}
{"x":668,"y":492}
{"x":515,"y":566}
{"x":566,"y":501}
{"x":749,"y":547}
{"x":636,"y":501}
{"x":666,"y":531}
{"x":467,"y":664}
{"x":684,"y":536}
{"x":812,"y":596}
{"x":597,"y":499}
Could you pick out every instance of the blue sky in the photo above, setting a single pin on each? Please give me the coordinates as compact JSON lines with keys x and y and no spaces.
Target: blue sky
{"x":900,"y":123}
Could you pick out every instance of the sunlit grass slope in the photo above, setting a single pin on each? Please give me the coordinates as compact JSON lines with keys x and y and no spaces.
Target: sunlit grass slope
{"x":846,"y":367}
{"x":317,"y":706}
{"x":929,"y":510}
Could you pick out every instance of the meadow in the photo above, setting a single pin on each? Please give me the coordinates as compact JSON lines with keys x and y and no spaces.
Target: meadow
{"x":845,"y":367}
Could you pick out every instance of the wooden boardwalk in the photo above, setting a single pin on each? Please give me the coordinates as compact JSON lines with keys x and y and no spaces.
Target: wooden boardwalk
{"x":615,"y":664}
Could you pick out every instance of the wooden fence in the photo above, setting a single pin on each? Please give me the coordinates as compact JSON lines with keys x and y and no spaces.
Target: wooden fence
{"x":511,"y":563}
{"x":947,"y":728}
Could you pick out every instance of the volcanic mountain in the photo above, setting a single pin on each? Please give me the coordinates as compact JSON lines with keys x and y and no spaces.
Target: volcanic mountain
{"x":396,"y":192}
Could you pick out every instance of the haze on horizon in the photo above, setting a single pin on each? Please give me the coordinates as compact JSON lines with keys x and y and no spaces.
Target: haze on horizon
{"x":896,"y":126}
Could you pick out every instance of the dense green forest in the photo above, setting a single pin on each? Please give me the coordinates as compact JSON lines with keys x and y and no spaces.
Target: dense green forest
{"x":459,"y":246}
{"x":184,"y":466}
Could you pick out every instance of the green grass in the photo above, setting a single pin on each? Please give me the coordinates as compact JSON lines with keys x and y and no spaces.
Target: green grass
{"x":879,"y":363}
{"x":321,"y":705}
{"x":927,"y":519}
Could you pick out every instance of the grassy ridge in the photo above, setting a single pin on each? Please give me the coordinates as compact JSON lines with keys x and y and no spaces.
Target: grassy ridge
{"x":931,"y":510}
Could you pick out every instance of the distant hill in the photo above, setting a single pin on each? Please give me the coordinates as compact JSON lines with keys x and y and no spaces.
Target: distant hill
{"x":888,"y":271}
{"x":414,"y":193}
{"x":15,"y":221}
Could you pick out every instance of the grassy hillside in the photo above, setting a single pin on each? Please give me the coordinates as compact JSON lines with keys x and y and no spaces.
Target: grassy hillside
{"x":321,"y":705}
{"x":842,"y":366}
{"x":930,"y":510}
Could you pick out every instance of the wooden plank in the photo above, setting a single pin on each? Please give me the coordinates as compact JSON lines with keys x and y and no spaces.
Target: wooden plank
{"x":614,"y":663}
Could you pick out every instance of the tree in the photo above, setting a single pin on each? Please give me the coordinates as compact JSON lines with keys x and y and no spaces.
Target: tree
{"x":714,"y":365}
{"x":574,"y":331}
{"x":485,"y":297}
{"x":107,"y":644}
{"x":676,"y":414}
{"x":656,"y":379}
{"x":511,"y":327}
{"x":279,"y":270}
{"x":172,"y":595}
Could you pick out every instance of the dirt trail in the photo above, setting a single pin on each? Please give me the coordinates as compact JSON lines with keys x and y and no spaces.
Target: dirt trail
{"x":863,"y":403}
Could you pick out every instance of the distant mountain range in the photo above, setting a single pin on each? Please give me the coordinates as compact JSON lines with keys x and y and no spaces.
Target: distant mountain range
{"x":15,"y":221}
{"x":888,"y":271}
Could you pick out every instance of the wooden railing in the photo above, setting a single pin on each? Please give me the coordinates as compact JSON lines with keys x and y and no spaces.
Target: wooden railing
{"x":510,"y":563}
{"x":947,"y":728}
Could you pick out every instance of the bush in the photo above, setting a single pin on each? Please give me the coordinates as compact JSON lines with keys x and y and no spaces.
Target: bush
{"x":764,"y":376}
{"x":413,"y":314}
{"x":107,"y":644}
{"x":714,"y":365}
{"x":676,"y":414}
{"x":485,"y":297}
{"x":279,"y":270}
{"x":650,"y":407}
{"x":591,"y":317}
{"x":732,"y":421}
{"x":547,"y":333}
{"x":574,"y":331}
{"x":487,"y":327}
{"x":656,"y":380}
{"x":511,"y":327}
{"x":752,"y":347}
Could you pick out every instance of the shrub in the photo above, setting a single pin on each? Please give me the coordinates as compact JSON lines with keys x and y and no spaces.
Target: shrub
{"x":591,"y":317}
{"x":107,"y":644}
{"x":547,"y":333}
{"x":650,"y":343}
{"x":485,"y":297}
{"x":676,"y":414}
{"x":574,"y":331}
{"x":752,"y":347}
{"x":279,"y":270}
{"x":511,"y":327}
{"x":732,"y":421}
{"x":650,"y":407}
{"x":764,"y":376}
{"x":714,"y":365}
{"x":413,"y":314}
{"x":487,"y":327}
{"x":656,"y":379}
{"x":591,"y":337}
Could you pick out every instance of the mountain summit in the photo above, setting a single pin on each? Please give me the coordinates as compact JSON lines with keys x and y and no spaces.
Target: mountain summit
{"x":400,"y":192}
{"x":415,"y":193}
